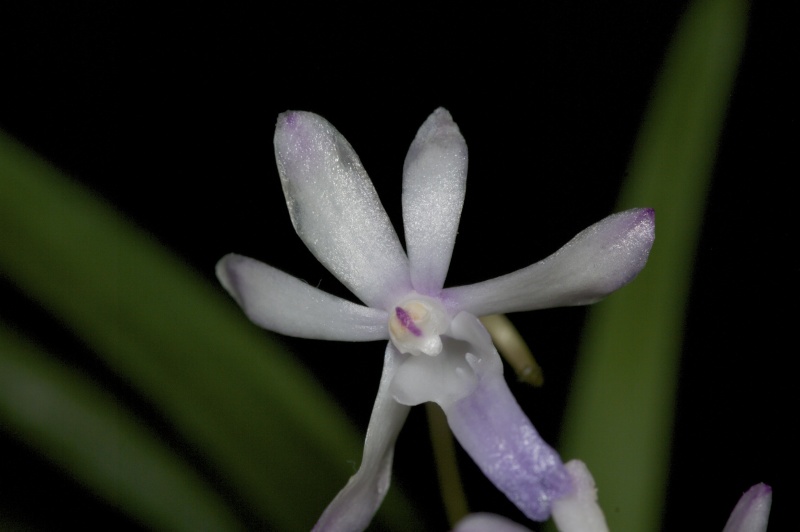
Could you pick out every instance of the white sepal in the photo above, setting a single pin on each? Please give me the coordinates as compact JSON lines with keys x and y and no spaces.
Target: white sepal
{"x":599,"y":260}
{"x":281,"y":303}
{"x":354,"y":506}
{"x":336,"y":211}
{"x":434,"y":184}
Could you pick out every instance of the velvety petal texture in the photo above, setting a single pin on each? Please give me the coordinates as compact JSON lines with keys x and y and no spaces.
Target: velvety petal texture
{"x":751,"y":513}
{"x":336,"y":211}
{"x":285,"y":304}
{"x":353,"y":508}
{"x":578,"y":511}
{"x":599,"y":260}
{"x":490,"y":425}
{"x":434,"y":184}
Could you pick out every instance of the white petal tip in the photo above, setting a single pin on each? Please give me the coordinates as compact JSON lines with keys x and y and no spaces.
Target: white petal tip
{"x":440,"y":118}
{"x":579,"y":511}
{"x":225,"y":274}
{"x":284,"y":304}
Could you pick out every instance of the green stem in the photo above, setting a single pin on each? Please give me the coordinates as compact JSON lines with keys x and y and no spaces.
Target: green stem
{"x":444,"y":452}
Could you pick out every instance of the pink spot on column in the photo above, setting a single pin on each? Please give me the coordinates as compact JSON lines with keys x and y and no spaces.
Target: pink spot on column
{"x":406,"y":321}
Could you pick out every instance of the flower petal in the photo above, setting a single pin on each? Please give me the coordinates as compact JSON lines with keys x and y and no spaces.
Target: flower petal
{"x":354,"y":506}
{"x":579,"y":511}
{"x":752,"y":511}
{"x":485,"y":522}
{"x":599,"y":260}
{"x":491,"y":427}
{"x":279,"y":302}
{"x":434,"y":183}
{"x":336,"y":211}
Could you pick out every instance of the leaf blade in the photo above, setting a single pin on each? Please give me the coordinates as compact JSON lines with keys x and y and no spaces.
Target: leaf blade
{"x":249,"y":408}
{"x":620,"y":415}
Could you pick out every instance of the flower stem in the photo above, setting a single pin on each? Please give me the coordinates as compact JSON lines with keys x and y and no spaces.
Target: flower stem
{"x":453,"y":497}
{"x":514,"y":349}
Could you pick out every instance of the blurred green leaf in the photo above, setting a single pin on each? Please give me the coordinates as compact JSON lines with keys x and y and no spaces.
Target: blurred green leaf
{"x":620,"y":415}
{"x":249,"y":408}
{"x":69,"y":420}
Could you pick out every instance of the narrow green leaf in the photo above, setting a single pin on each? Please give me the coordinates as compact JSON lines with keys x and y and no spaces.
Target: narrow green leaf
{"x":620,"y":416}
{"x":247,"y":406}
{"x":84,"y":431}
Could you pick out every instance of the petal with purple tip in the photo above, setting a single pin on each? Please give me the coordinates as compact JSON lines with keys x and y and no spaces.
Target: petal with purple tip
{"x":356,"y":504}
{"x":751,"y":513}
{"x":336,"y":211}
{"x":281,"y":303}
{"x":434,"y":184}
{"x":490,"y":425}
{"x":599,"y":260}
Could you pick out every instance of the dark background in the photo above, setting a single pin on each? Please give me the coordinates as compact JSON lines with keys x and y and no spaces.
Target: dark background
{"x":169,"y":114}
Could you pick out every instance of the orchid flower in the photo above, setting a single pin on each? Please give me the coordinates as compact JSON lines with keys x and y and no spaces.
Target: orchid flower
{"x":751,"y":513}
{"x":438,"y":350}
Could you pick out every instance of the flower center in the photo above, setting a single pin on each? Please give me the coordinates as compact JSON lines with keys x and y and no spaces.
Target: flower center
{"x":416,"y":323}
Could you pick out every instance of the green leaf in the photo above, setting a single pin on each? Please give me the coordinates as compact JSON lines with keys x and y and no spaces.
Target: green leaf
{"x":247,"y":407}
{"x":73,"y":423}
{"x":620,"y":415}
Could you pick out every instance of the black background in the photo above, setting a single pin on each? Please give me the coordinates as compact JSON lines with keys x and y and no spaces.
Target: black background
{"x":169,"y":114}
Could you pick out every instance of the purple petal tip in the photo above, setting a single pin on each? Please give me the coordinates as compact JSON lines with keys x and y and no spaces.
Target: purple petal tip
{"x":751,"y":513}
{"x":644,"y":215}
{"x":299,"y":136}
{"x":761,"y":489}
{"x":289,"y":118}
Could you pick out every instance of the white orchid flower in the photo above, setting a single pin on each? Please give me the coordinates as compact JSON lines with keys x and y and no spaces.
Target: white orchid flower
{"x":437,"y":350}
